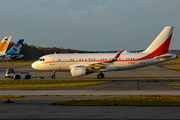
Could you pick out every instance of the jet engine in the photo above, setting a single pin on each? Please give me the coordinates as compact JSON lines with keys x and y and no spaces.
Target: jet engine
{"x":80,"y":71}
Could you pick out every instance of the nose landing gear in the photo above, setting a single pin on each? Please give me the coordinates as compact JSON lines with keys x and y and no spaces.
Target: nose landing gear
{"x":54,"y":75}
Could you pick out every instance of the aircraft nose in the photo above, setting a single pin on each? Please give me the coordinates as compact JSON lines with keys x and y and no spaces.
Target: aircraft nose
{"x":34,"y":65}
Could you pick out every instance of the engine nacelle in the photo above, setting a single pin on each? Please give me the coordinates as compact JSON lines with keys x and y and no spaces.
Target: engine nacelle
{"x":80,"y":71}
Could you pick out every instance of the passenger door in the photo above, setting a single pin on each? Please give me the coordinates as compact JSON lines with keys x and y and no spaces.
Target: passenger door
{"x":52,"y":59}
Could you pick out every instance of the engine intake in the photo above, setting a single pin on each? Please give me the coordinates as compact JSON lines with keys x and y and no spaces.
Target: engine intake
{"x":80,"y":71}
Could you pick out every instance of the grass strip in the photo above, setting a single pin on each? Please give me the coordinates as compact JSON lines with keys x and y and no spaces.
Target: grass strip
{"x":174,"y":67}
{"x":47,"y":83}
{"x":9,"y":96}
{"x":127,"y":101}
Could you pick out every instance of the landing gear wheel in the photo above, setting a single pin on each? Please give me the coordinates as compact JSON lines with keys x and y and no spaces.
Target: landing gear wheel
{"x":100,"y":76}
{"x":53,"y":77}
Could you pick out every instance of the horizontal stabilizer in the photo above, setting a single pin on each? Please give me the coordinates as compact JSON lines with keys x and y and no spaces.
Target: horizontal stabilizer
{"x":3,"y":56}
{"x":17,"y":56}
{"x":164,"y":57}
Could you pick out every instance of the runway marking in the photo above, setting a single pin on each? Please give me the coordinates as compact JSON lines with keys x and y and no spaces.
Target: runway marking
{"x":2,"y":75}
{"x":175,"y":83}
{"x":150,"y":74}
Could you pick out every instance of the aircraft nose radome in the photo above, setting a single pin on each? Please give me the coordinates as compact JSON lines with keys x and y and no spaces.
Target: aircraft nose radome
{"x":34,"y":65}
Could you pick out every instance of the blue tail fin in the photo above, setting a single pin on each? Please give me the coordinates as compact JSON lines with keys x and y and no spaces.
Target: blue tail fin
{"x":15,"y":49}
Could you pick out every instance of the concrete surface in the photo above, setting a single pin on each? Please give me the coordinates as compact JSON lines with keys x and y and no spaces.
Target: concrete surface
{"x":36,"y":103}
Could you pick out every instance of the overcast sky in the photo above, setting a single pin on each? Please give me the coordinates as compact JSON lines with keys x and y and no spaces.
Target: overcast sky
{"x":89,"y":24}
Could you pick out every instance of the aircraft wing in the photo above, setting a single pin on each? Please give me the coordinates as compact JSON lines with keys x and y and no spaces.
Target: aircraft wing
{"x":101,"y":64}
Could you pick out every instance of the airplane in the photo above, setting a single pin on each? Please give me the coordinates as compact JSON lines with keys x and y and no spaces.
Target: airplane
{"x":4,"y":45}
{"x":13,"y":52}
{"x":80,"y":64}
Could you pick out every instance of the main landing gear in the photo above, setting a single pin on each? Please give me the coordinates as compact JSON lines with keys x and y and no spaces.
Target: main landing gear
{"x":100,"y":75}
{"x":54,"y":75}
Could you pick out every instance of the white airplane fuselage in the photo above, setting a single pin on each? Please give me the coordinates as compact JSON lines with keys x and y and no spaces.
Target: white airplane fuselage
{"x":64,"y":62}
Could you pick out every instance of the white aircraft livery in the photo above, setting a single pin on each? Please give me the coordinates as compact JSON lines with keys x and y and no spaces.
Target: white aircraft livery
{"x":85,"y":63}
{"x":4,"y":45}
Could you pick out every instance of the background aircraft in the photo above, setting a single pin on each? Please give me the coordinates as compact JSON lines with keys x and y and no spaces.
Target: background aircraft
{"x":4,"y":44}
{"x":83,"y":64}
{"x":13,"y":52}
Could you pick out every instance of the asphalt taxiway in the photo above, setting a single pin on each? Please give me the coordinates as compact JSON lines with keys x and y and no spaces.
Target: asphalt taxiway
{"x":146,"y":73}
{"x":36,"y":102}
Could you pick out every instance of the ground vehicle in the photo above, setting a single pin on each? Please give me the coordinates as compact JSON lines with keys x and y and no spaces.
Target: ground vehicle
{"x":17,"y":75}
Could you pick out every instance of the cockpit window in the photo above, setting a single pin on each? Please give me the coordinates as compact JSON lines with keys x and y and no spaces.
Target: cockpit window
{"x":41,"y":59}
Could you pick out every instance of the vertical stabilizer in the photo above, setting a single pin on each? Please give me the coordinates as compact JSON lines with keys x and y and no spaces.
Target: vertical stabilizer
{"x":4,"y":44}
{"x":16,"y":48}
{"x":162,"y":42}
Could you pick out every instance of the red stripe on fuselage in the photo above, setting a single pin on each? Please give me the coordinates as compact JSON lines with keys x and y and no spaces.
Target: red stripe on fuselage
{"x":94,"y":61}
